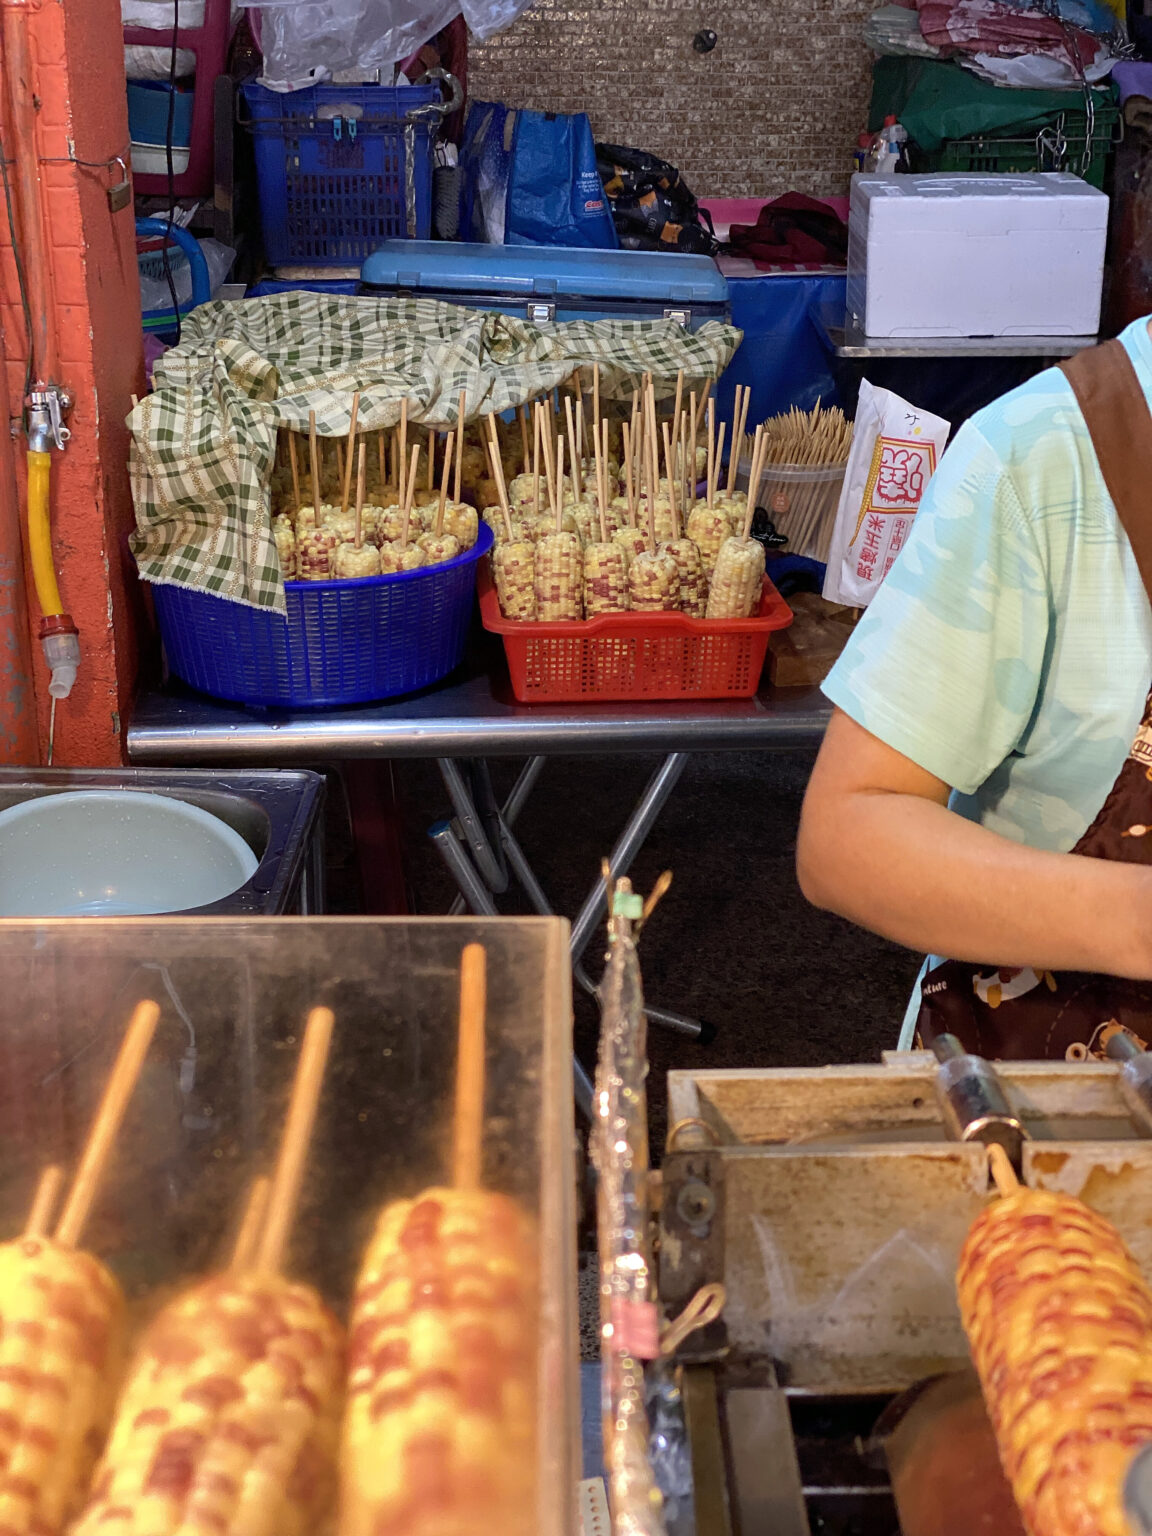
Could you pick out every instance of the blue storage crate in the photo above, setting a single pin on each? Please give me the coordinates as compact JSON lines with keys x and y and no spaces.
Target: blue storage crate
{"x":341,"y":642}
{"x":333,"y":164}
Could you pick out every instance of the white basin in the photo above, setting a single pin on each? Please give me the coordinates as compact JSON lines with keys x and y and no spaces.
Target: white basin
{"x":116,"y":853}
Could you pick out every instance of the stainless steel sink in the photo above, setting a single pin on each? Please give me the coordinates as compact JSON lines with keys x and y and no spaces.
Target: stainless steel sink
{"x":278,"y":813}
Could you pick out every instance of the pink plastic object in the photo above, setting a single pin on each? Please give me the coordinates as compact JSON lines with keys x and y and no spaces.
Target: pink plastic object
{"x":210,"y":45}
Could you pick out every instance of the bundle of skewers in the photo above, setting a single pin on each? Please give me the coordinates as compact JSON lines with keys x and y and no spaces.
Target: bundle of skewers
{"x":802,"y":474}
{"x":356,"y":514}
{"x":650,"y":530}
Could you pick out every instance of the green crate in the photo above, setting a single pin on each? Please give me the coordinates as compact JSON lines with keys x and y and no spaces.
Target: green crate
{"x":1057,"y":147}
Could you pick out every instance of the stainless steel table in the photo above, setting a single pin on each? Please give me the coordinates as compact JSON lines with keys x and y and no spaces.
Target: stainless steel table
{"x":463,"y":722}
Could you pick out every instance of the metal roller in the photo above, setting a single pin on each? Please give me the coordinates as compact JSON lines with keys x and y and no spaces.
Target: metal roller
{"x":972,"y":1099}
{"x":1135,"y":1077}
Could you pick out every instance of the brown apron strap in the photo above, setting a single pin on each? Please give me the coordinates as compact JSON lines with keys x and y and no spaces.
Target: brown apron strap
{"x":1115,"y":407}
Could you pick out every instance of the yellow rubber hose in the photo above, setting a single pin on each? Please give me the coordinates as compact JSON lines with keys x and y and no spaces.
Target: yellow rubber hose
{"x":40,"y":534}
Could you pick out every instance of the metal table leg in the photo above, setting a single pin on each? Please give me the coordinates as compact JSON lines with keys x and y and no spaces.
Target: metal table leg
{"x":628,"y":845}
{"x":312,"y":882}
{"x":487,"y":860}
{"x":523,"y":787}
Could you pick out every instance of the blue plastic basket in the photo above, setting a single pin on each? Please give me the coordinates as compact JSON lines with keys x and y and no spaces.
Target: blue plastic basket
{"x":342,"y":642}
{"x":331,"y":165}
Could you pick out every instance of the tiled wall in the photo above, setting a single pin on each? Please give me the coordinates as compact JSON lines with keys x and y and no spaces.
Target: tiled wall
{"x":775,"y":107}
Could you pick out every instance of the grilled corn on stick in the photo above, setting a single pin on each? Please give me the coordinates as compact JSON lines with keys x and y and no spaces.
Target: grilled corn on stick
{"x":513,"y":559}
{"x":605,"y":562}
{"x":1059,"y":1320}
{"x":402,"y":555}
{"x":61,"y":1330}
{"x":439,"y":1432}
{"x":653,"y":582}
{"x":559,"y":563}
{"x":693,"y":581}
{"x":461,"y":521}
{"x":230,"y":1418}
{"x":355,"y":558}
{"x":739,"y":575}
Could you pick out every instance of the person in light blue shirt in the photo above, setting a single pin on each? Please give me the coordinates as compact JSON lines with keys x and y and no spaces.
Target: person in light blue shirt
{"x":985,"y":705}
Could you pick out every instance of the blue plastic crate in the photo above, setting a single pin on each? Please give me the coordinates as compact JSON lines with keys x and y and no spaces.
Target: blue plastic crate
{"x":331,"y":165}
{"x":342,"y":642}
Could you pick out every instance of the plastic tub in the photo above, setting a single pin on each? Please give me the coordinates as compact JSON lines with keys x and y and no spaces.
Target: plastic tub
{"x":635,"y":655}
{"x":341,"y":642}
{"x":801,"y":500}
{"x":116,"y":853}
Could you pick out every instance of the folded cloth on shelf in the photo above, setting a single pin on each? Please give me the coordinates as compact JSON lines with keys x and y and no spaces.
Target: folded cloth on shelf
{"x":203,"y":443}
{"x":792,"y":229}
{"x":1000,"y":27}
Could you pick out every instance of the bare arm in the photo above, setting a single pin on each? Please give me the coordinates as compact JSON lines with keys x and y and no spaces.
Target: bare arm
{"x":879,"y":845}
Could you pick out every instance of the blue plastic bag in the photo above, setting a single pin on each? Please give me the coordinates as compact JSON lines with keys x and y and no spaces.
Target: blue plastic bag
{"x":485,"y":160}
{"x":555,"y":195}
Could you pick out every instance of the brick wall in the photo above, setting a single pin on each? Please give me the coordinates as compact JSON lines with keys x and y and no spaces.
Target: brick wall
{"x":775,"y":107}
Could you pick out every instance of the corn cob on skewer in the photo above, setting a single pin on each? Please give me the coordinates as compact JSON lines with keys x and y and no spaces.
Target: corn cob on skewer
{"x":285,"y":537}
{"x":353,"y":557}
{"x":1059,"y":1320}
{"x":440,"y":1430}
{"x":605,"y":562}
{"x":559,"y":564}
{"x":513,"y":561}
{"x":739,"y":575}
{"x":230,"y":1419}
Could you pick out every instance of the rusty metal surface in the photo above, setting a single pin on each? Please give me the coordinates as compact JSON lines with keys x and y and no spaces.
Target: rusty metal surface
{"x":692,"y":1230}
{"x":840,"y":1265}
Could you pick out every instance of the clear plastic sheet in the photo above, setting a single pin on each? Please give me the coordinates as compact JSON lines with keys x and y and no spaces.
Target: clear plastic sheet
{"x":629,"y":1325}
{"x":308,"y":41}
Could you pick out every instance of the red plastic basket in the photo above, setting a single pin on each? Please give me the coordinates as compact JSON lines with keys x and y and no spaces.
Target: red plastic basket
{"x":635,"y":655}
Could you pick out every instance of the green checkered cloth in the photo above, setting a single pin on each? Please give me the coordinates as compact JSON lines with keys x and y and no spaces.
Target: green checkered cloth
{"x":203,"y":444}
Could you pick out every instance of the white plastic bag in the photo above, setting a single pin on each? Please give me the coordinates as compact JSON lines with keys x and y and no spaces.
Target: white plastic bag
{"x":307,"y":41}
{"x":895,"y":450}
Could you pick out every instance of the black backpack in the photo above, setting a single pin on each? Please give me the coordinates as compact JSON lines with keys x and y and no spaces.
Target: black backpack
{"x":652,"y":208}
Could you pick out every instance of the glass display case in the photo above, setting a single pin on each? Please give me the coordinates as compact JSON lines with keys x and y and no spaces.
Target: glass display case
{"x":207,"y":1113}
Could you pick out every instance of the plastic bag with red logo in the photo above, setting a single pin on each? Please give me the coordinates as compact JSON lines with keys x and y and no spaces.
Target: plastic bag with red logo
{"x":895,"y":450}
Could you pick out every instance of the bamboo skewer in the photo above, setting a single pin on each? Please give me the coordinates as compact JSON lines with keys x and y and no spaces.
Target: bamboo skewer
{"x":668,"y":456}
{"x":679,"y":401}
{"x":705,"y":400}
{"x":251,"y":1224}
{"x":580,"y":422}
{"x":522,"y":417}
{"x":459,"y":444}
{"x":284,"y":1193}
{"x":468,"y":1121}
{"x":381,"y":457}
{"x":403,"y":446}
{"x":498,"y":478}
{"x":736,"y":449}
{"x":410,"y":494}
{"x":626,"y":435}
{"x":710,"y":494}
{"x":449,"y":446}
{"x":558,"y":503}
{"x":314,"y":463}
{"x":360,"y":481}
{"x":351,"y":449}
{"x":48,"y":1187}
{"x":604,"y":498}
{"x":574,"y":451}
{"x":295,"y":468}
{"x":431,"y":483}
{"x":1002,"y":1171}
{"x":601,"y":484}
{"x":537,"y":428}
{"x":692,"y":451}
{"x":109,"y":1117}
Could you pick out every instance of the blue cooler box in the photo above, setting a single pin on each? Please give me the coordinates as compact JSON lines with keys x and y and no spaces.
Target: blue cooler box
{"x":543,"y":283}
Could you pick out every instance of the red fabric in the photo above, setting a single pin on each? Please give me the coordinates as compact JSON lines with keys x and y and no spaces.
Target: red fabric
{"x":793,"y":230}
{"x":985,"y":26}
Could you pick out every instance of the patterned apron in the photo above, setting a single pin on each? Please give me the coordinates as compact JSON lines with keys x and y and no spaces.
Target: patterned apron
{"x":1023,"y":1014}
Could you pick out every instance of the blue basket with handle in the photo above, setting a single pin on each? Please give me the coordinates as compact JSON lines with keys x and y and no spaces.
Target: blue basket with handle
{"x":341,"y":642}
{"x":340,"y":168}
{"x":183,"y":251}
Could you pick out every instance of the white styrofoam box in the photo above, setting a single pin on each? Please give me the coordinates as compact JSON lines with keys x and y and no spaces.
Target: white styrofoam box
{"x":976,"y":255}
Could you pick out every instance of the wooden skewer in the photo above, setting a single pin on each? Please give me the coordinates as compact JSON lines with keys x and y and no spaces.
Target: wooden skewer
{"x":105,"y":1127}
{"x":738,"y":439}
{"x":347,"y":490}
{"x":677,"y":406}
{"x":295,"y":468}
{"x":558,"y":505}
{"x":48,"y":1187}
{"x":251,"y":1224}
{"x":314,"y":463}
{"x":459,"y":443}
{"x":705,"y":399}
{"x":573,"y":449}
{"x":360,"y":479}
{"x":537,"y":429}
{"x":605,"y":498}
{"x":708,"y":490}
{"x":755,"y":475}
{"x":580,"y":422}
{"x":403,"y":446}
{"x":522,"y":417}
{"x":468,"y":1123}
{"x":410,"y":494}
{"x":449,"y":446}
{"x":596,"y":397}
{"x":338,"y":450}
{"x":289,"y":1171}
{"x":601,"y":484}
{"x":629,"y":491}
{"x":549,"y":447}
{"x":495,"y":466}
{"x":1002,"y":1170}
{"x":692,"y":460}
{"x":382,"y":457}
{"x":668,"y":454}
{"x":431,"y":482}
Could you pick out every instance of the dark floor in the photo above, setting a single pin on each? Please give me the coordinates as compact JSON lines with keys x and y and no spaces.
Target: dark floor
{"x":733,"y":942}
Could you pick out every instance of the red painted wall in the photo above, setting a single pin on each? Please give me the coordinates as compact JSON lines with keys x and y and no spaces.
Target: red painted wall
{"x":79,"y":63}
